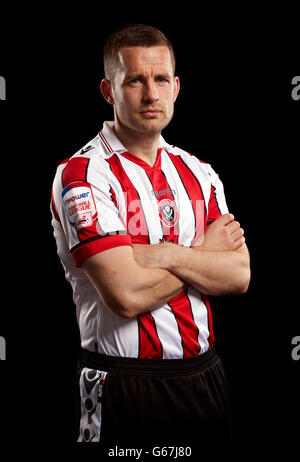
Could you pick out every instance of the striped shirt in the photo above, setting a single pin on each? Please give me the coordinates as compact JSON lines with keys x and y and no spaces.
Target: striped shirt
{"x":104,"y":197}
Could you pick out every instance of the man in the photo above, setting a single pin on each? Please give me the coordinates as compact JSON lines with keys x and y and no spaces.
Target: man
{"x":144,"y":235}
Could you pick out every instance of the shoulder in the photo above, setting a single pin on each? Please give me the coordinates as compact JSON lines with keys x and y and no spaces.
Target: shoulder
{"x":92,"y":156}
{"x":191,"y":160}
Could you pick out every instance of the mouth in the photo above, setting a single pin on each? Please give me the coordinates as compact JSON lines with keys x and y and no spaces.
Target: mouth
{"x":149,"y":113}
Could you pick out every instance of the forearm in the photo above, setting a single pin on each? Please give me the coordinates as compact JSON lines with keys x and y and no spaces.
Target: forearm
{"x":210,"y":272}
{"x":127,"y":288}
{"x":219,"y":266}
{"x":152,"y":288}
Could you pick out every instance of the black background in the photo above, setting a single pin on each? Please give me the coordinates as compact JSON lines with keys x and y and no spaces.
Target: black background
{"x":234,"y":111}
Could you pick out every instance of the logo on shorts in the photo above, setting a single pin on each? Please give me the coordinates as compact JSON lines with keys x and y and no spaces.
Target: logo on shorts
{"x":168,"y":212}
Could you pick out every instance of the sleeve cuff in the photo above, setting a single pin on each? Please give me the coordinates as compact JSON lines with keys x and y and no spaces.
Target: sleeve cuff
{"x":98,"y":244}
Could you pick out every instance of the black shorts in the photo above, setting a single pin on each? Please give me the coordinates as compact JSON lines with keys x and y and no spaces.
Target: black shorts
{"x":129,"y":401}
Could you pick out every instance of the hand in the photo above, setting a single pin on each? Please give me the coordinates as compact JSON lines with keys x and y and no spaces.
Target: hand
{"x":223,"y":234}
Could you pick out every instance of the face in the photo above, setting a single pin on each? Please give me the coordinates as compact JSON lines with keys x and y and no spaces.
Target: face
{"x":144,"y":89}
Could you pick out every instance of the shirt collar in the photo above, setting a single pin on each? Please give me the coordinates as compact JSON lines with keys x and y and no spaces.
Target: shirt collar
{"x":112,"y":142}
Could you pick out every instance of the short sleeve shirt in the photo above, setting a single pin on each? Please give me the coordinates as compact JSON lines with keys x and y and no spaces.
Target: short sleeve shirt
{"x":104,"y":197}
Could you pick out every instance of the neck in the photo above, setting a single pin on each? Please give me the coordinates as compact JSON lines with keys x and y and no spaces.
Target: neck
{"x":140,"y":144}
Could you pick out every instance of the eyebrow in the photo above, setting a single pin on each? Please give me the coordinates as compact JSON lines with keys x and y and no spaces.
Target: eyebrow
{"x":133,"y":76}
{"x":141,"y":76}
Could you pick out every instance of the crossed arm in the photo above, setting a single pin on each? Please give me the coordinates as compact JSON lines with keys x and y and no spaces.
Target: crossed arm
{"x":133,"y":281}
{"x":219,"y":265}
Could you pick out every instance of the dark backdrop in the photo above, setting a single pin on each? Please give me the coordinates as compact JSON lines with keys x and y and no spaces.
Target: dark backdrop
{"x":234,"y":111}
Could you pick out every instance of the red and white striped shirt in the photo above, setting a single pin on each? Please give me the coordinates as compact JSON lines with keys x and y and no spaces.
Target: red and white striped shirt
{"x":105,"y":197}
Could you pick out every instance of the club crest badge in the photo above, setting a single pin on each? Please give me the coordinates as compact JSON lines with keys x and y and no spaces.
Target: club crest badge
{"x":168,"y":212}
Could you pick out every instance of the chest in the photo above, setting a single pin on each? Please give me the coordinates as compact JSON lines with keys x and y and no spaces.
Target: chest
{"x":166,"y":203}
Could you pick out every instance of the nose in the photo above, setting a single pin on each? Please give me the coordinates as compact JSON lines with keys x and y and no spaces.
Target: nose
{"x":150,"y":93}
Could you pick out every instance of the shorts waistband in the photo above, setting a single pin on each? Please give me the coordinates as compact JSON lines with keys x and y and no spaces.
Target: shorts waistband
{"x":143,"y":366}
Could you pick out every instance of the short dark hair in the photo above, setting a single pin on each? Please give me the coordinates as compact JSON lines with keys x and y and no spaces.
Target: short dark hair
{"x":132,"y":35}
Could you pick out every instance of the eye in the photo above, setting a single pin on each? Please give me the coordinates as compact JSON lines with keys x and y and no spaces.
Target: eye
{"x":162,"y":80}
{"x":134,"y":82}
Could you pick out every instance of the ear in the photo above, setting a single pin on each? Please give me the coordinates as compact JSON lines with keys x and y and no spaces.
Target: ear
{"x":106,"y":91}
{"x":176,"y":87}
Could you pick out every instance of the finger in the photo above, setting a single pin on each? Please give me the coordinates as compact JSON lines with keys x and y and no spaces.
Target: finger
{"x":239,"y":243}
{"x":225,"y":219}
{"x":233,"y":226}
{"x":237,"y":234}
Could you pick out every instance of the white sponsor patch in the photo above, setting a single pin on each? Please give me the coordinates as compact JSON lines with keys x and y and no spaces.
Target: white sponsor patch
{"x":79,"y":204}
